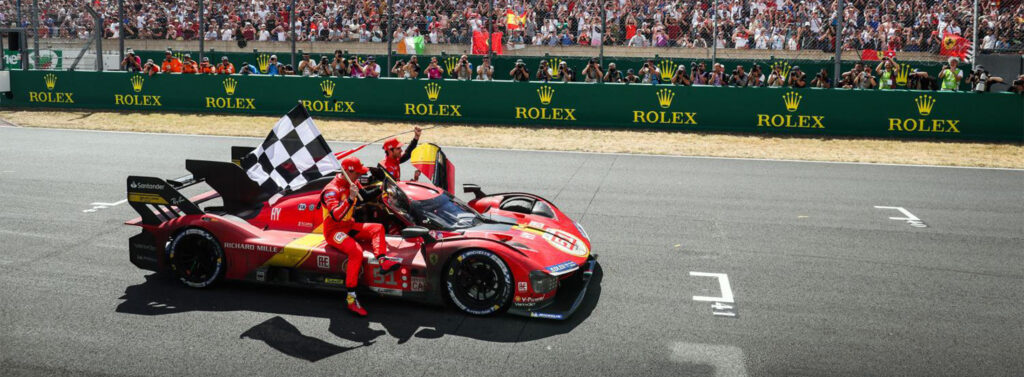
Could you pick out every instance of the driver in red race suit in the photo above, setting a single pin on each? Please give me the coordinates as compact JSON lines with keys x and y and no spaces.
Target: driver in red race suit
{"x":394,"y":156}
{"x":339,"y":199}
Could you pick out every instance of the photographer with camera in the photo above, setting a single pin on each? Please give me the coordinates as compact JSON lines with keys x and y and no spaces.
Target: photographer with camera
{"x":630,"y":78}
{"x":131,"y":62}
{"x":543,"y":72}
{"x":887,"y":70}
{"x":864,"y":79}
{"x":434,"y":70}
{"x":519,"y":72}
{"x":371,"y":69}
{"x":821,"y":80}
{"x":150,"y":68}
{"x":225,"y":67}
{"x":189,"y":66}
{"x":485,"y":72}
{"x":463,"y":69}
{"x":950,"y":75}
{"x":797,"y":78}
{"x":339,"y":64}
{"x":1018,"y":85}
{"x":697,"y":76}
{"x":399,"y":69}
{"x":738,"y":77}
{"x":205,"y":67}
{"x":755,"y":79}
{"x":306,"y":65}
{"x":324,"y":68}
{"x":613,"y":74}
{"x":981,"y":81}
{"x":412,"y":68}
{"x":717,"y":75}
{"x":680,"y":78}
{"x":592,"y":73}
{"x":565,"y":74}
{"x":248,"y":69}
{"x":650,"y":73}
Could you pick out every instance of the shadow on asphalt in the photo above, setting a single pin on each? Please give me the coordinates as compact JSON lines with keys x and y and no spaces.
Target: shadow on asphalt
{"x":402,"y":320}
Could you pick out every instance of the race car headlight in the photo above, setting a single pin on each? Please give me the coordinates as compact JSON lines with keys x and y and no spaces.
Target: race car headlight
{"x":542,"y":282}
{"x":582,"y":231}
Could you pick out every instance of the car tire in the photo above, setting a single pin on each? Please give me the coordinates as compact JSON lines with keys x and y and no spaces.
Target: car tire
{"x":478,"y":282}
{"x":196,"y":258}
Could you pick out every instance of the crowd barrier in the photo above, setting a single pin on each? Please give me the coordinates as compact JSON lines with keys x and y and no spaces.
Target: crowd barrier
{"x":886,"y":114}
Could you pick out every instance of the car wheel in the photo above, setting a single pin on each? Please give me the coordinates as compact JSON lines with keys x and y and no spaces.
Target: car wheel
{"x":479,"y":282}
{"x":196,"y":258}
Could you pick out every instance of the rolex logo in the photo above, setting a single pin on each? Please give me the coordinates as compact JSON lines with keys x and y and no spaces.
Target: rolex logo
{"x":783,"y":68}
{"x":792,"y":101}
{"x":902,"y":74}
{"x":553,"y":64}
{"x":229,"y":86}
{"x":924,"y":104}
{"x":50,"y":80}
{"x":545,"y":93}
{"x":327,"y":87}
{"x":665,"y":97}
{"x":433,"y":91}
{"x":450,"y":64}
{"x":264,"y":62}
{"x":667,"y":68}
{"x":137,"y":81}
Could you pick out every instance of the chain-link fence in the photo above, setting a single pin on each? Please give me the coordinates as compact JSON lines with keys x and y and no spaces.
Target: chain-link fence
{"x":549,"y":37}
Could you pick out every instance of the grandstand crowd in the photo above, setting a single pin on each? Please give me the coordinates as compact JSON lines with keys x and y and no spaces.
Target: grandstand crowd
{"x":915,"y":25}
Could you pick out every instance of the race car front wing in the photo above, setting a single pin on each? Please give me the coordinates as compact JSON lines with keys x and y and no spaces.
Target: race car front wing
{"x":569,"y":297}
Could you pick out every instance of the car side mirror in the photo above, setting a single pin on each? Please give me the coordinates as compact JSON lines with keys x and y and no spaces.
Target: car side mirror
{"x":417,"y":232}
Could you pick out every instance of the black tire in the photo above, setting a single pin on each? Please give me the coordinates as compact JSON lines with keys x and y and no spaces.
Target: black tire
{"x":479,"y":282}
{"x":196,"y":258}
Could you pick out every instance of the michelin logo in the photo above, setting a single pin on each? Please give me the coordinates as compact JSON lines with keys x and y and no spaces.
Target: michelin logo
{"x":561,"y":267}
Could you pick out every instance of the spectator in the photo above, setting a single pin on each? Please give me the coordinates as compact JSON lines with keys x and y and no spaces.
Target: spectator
{"x":798,"y":79}
{"x":821,"y":80}
{"x":864,"y":79}
{"x":981,"y":81}
{"x":650,"y":72}
{"x":412,"y":68}
{"x":717,"y":76}
{"x":371,"y":69}
{"x":756,"y":77}
{"x":434,"y":71}
{"x":463,"y":69}
{"x":697,"y":75}
{"x":151,"y":68}
{"x":680,"y":78}
{"x":738,"y":77}
{"x":519,"y":72}
{"x":248,"y":69}
{"x":565,"y":74}
{"x":225,"y":67}
{"x":592,"y":72}
{"x":306,"y":65}
{"x":775,"y":78}
{"x":205,"y":67}
{"x":189,"y":66}
{"x":131,"y":62}
{"x":613,"y":74}
{"x":354,"y":68}
{"x":543,"y":72}
{"x":339,"y":65}
{"x":323,"y":69}
{"x":950,"y":75}
{"x":273,"y":66}
{"x":630,"y":78}
{"x":1018,"y":85}
{"x":485,"y":71}
{"x":887,"y":70}
{"x":398,"y":70}
{"x":171,"y":64}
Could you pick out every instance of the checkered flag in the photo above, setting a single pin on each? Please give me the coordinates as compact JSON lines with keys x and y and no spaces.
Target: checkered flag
{"x":293,"y":153}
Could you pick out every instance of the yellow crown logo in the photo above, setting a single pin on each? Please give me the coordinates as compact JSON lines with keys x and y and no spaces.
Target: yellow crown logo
{"x":433,"y":90}
{"x":553,"y":64}
{"x":792,"y":101}
{"x":50,"y":80}
{"x":137,"y":81}
{"x":665,"y":97}
{"x":924,"y":104}
{"x":450,"y":63}
{"x":229,"y":86}
{"x":327,"y":87}
{"x":902,"y":74}
{"x":179,"y":55}
{"x":545,"y":92}
{"x":783,"y":67}
{"x":667,"y":68}
{"x":264,"y":62}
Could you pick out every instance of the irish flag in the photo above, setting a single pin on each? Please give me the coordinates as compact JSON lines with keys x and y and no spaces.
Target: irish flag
{"x":411,"y":45}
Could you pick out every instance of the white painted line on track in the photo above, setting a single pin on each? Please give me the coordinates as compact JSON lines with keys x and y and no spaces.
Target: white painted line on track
{"x":914,"y":221}
{"x":727,"y":361}
{"x":723,"y":284}
{"x":565,"y":152}
{"x":100,"y":205}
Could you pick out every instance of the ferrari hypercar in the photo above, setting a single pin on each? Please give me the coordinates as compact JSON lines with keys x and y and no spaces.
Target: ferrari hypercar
{"x":508,"y":252}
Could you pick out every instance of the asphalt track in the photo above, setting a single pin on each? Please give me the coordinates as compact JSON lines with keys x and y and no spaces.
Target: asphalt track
{"x":823,"y":283}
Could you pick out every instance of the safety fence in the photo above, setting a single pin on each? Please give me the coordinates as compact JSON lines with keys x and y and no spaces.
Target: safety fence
{"x":885,"y":114}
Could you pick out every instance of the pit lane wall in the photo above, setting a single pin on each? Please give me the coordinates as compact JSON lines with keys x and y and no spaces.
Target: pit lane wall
{"x":886,"y":114}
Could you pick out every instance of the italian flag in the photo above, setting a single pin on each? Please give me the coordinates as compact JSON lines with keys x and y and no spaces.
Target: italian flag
{"x":411,"y":45}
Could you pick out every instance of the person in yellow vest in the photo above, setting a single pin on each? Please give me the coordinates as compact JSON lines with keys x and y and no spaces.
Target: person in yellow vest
{"x":950,"y":75}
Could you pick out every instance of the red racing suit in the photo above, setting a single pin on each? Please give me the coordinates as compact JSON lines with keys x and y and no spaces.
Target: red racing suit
{"x":392,"y":166}
{"x":342,"y":233}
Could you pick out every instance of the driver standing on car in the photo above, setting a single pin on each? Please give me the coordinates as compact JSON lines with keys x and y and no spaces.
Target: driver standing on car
{"x":339,"y":199}
{"x":394,"y":156}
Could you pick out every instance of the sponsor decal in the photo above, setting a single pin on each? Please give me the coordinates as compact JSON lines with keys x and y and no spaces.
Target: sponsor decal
{"x":305,"y":224}
{"x":792,"y":102}
{"x":142,"y":197}
{"x":302,"y":206}
{"x":275,"y":214}
{"x":328,"y":105}
{"x":903,"y":74}
{"x":433,"y":90}
{"x":230,"y":102}
{"x":334,"y":281}
{"x":545,"y":94}
{"x":527,"y":235}
{"x":665,"y":97}
{"x":323,"y":262}
{"x":146,"y":186}
{"x":137,"y":100}
{"x":263,"y":62}
{"x":250,"y":247}
{"x":522,"y":287}
{"x":330,"y":193}
{"x":528,"y":299}
{"x":667,"y":68}
{"x":566,"y":242}
{"x":144,"y":246}
{"x":51,"y":96}
{"x":339,"y":236}
{"x":433,"y":258}
{"x":561,"y":267}
{"x":418,"y":284}
{"x":925,"y":103}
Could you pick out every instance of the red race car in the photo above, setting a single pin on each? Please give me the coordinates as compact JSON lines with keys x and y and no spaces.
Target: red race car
{"x":512,"y":252}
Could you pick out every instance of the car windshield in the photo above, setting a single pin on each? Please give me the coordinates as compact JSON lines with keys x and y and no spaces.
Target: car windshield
{"x":444,"y":212}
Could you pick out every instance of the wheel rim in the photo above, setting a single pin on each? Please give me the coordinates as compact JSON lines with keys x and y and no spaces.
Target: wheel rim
{"x":479,"y":283}
{"x":195,"y":260}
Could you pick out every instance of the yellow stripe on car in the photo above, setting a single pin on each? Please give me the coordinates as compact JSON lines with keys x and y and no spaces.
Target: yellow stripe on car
{"x":296,"y":252}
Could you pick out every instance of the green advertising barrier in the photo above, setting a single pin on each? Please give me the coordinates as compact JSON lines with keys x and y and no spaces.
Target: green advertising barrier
{"x":48,"y":59}
{"x":886,"y":114}
{"x":504,"y":64}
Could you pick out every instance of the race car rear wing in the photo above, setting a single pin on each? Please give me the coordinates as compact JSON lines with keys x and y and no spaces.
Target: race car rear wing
{"x":157,"y":200}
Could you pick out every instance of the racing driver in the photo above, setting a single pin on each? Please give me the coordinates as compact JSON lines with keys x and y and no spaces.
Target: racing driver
{"x":339,"y":199}
{"x":394,"y":156}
